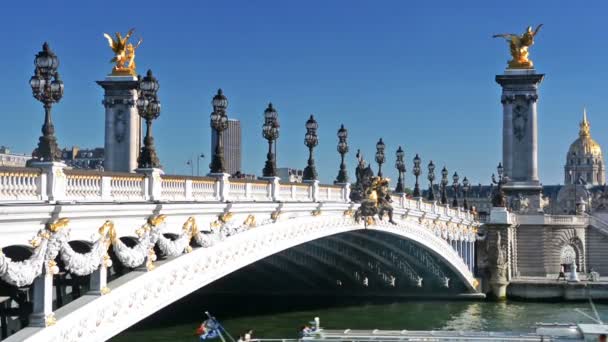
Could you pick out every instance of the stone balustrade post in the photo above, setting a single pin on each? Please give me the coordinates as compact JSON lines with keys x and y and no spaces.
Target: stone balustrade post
{"x":154,"y":183}
{"x":188,"y":190}
{"x":223,"y":185}
{"x":275,"y":188}
{"x":314,"y":189}
{"x":248,"y":194}
{"x":106,"y":188}
{"x":42,"y":308}
{"x":55,"y":180}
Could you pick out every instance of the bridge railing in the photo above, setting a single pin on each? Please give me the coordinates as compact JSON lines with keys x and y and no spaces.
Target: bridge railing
{"x":21,"y":184}
{"x":60,"y":184}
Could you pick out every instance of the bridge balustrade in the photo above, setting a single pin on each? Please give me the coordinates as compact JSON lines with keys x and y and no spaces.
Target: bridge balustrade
{"x":18,"y":184}
{"x":72,"y":185}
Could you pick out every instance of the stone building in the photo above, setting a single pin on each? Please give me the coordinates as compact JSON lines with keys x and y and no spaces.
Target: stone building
{"x":288,"y":174}
{"x":83,"y":158}
{"x":8,"y":158}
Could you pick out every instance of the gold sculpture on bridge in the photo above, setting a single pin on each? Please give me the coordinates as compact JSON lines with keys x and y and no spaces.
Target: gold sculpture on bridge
{"x":124,"y":54}
{"x":519,"y":45}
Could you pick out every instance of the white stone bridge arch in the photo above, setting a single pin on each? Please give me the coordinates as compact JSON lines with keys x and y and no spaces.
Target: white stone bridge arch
{"x":140,"y":294}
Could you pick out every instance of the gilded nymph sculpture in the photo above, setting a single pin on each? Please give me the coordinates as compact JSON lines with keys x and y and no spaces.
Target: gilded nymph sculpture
{"x":519,"y":45}
{"x":124,"y":54}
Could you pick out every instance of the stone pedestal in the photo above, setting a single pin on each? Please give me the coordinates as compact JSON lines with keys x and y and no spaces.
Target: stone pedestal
{"x":500,"y":215}
{"x":520,"y":134}
{"x":123,"y":124}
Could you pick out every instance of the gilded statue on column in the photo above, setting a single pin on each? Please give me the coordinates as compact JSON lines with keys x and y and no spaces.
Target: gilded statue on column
{"x":124,"y":54}
{"x":519,"y":45}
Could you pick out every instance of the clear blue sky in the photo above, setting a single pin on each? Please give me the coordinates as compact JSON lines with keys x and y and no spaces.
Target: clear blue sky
{"x":419,"y":74}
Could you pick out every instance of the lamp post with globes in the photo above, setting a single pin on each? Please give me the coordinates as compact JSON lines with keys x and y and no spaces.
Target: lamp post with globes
{"x":380,"y":155}
{"x":400,"y":166}
{"x":431,"y":178}
{"x":455,"y":187}
{"x":148,"y":108}
{"x":48,"y":89}
{"x":444,"y":186}
{"x":311,"y":140}
{"x":465,"y":190}
{"x":270,"y":131}
{"x":416,"y":171}
{"x":219,"y":123}
{"x":342,"y":149}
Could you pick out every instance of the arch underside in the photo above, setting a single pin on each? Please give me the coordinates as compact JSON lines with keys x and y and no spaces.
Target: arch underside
{"x":330,"y":253}
{"x":340,"y":264}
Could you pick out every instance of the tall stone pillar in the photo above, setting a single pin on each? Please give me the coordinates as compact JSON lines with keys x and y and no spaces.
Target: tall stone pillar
{"x":123,"y":124}
{"x":520,"y":133}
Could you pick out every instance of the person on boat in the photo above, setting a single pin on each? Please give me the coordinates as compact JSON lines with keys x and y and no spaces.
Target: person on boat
{"x":305,"y":331}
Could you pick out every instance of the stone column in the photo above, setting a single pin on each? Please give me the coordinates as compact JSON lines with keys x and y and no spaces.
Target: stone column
{"x":520,"y":133}
{"x":123,"y":124}
{"x":42,"y":308}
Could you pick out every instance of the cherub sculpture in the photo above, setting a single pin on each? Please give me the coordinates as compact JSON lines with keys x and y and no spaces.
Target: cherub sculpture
{"x":519,"y":45}
{"x":124,"y":54}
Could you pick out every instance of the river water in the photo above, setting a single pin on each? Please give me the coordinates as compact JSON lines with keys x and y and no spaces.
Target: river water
{"x":280,"y":316}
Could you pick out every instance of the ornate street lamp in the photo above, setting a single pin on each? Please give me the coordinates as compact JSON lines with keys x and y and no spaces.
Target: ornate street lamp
{"x":48,"y":89}
{"x":270,"y":131}
{"x":311,"y":140}
{"x":498,"y":199}
{"x":148,"y":108}
{"x":342,"y":149}
{"x":416,"y":171}
{"x":400,"y":166}
{"x":431,"y":178}
{"x":219,"y":123}
{"x":380,"y":155}
{"x":444,"y":186}
{"x":455,"y":187}
{"x":465,"y":189}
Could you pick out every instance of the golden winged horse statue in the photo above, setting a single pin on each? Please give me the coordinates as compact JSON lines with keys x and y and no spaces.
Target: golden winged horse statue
{"x":519,"y":45}
{"x":124,"y":54}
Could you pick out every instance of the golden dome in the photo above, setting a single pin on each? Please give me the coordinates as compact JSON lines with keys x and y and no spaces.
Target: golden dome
{"x":585,"y":146}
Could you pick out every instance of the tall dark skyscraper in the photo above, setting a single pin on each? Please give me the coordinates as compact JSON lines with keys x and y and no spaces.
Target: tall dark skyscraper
{"x":231,"y":139}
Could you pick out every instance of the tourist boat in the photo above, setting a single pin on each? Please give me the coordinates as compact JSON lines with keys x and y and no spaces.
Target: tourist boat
{"x":543,"y":332}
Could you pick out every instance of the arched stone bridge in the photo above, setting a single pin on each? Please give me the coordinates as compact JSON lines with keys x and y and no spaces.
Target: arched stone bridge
{"x":179,"y":234}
